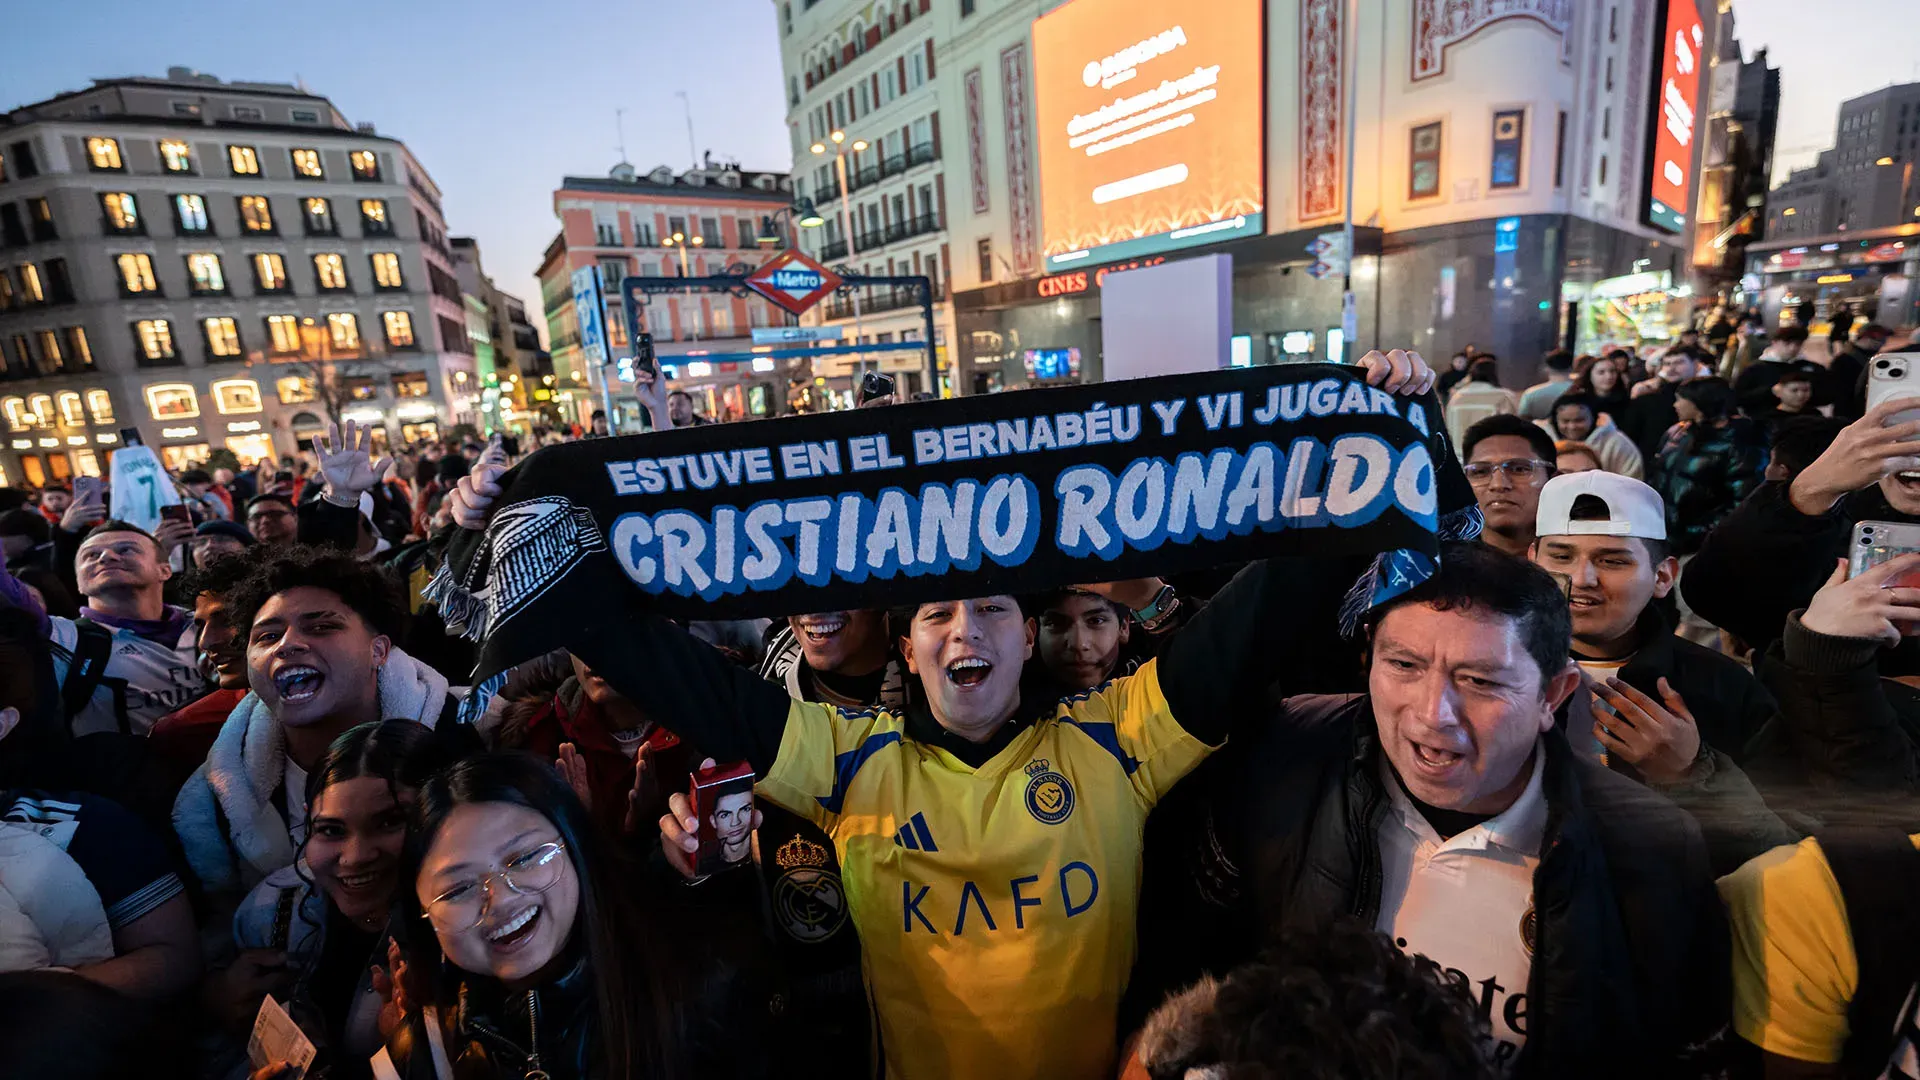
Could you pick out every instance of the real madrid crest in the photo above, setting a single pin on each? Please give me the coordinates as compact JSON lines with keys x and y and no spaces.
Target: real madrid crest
{"x":1049,"y":795}
{"x":808,"y":899}
{"x":1529,"y":929}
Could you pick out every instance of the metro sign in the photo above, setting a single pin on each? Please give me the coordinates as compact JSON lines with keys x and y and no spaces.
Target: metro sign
{"x":793,"y":281}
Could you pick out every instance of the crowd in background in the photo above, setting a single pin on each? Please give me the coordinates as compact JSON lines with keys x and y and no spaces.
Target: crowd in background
{"x":1625,"y":788}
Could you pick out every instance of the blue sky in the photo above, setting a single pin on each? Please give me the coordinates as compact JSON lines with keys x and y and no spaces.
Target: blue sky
{"x":500,"y":100}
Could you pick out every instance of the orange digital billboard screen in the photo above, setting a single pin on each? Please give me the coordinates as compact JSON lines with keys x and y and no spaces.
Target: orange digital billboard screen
{"x":1675,"y":104}
{"x":1151,"y":127}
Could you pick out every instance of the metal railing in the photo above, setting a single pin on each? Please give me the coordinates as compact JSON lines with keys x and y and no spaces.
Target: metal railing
{"x":896,"y":231}
{"x":873,"y":302}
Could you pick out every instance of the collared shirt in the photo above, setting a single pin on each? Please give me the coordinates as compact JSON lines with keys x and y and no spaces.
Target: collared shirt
{"x":1467,"y":902}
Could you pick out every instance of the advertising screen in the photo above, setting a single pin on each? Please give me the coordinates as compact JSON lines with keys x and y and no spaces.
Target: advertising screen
{"x":1151,"y":127}
{"x":1676,"y":101}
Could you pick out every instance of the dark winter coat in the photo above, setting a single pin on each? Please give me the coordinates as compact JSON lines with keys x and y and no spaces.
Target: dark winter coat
{"x":1703,"y":472}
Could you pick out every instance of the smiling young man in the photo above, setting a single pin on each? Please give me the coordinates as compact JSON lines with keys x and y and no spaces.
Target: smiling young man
{"x":318,"y":629}
{"x":989,"y":841}
{"x":129,"y":659}
{"x":1445,"y":808}
{"x":1081,"y":638}
{"x":1679,"y":717}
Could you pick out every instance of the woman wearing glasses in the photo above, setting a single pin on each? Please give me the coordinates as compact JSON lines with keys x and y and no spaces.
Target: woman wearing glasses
{"x":524,"y":959}
{"x":323,"y":923}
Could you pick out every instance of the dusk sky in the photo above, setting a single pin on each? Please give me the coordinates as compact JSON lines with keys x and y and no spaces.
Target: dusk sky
{"x":499,"y":100}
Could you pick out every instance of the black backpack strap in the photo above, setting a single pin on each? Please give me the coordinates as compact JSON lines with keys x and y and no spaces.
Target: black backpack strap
{"x":1878,"y":871}
{"x":92,"y":647}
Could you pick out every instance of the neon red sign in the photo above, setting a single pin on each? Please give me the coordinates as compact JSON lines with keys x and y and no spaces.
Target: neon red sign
{"x":1676,"y":101}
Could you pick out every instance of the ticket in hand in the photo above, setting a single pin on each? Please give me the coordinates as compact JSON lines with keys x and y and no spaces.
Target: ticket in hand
{"x":277,"y":1038}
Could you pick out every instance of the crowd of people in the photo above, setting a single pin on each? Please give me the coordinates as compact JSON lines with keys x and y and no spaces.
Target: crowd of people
{"x":1625,"y":788}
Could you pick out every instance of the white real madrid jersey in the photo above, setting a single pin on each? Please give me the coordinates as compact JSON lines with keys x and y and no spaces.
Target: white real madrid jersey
{"x":1466,"y":903}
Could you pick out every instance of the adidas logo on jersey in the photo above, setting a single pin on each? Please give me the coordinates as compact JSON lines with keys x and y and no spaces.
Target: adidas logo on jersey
{"x":915,"y":836}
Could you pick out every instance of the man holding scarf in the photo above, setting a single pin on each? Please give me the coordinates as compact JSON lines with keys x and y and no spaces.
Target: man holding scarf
{"x":989,"y":840}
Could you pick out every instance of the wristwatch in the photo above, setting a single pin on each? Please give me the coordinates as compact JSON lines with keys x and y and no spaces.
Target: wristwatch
{"x":1158,"y":610}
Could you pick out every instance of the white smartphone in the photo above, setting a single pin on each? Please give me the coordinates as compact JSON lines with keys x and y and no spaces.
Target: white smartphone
{"x":1895,"y":375}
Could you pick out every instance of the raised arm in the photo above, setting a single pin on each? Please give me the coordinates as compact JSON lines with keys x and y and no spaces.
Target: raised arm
{"x":688,"y":687}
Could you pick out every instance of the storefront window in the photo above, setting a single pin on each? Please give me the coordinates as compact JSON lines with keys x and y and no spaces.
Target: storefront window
{"x":71,"y":414}
{"x":100,"y":404}
{"x":172,"y":401}
{"x":41,"y":406}
{"x":237,"y":396}
{"x":410,"y":384}
{"x":86,"y":461}
{"x":425,"y":429}
{"x":16,"y":410}
{"x":178,"y":458}
{"x":251,"y":449}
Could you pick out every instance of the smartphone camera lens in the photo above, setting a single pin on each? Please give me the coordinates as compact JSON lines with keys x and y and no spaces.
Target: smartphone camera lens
{"x":1881,"y":364}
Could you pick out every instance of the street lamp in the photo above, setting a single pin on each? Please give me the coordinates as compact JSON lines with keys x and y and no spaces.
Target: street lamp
{"x":839,"y":139}
{"x":801,"y":213}
{"x":680,"y":241}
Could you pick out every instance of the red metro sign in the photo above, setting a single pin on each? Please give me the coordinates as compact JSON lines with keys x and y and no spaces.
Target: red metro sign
{"x":793,"y":281}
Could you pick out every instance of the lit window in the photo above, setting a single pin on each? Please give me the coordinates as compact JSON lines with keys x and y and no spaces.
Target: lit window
{"x":6,"y":288}
{"x":236,"y":396}
{"x":16,"y":410}
{"x":223,"y":338}
{"x":319,"y":217}
{"x":155,"y":339}
{"x":256,"y":215}
{"x":331,"y":270}
{"x":386,"y":270}
{"x":136,"y":273}
{"x":244,"y":161}
{"x":176,"y":156}
{"x":204,"y":270}
{"x":269,"y":272}
{"x":30,"y":287}
{"x":344,"y":329}
{"x":307,"y":163}
{"x":49,"y":350}
{"x":79,"y":349}
{"x":283,"y":332}
{"x":399,"y":326}
{"x":104,"y":154}
{"x":71,"y":414}
{"x":373,"y":217}
{"x":41,"y":406}
{"x":191,"y":213}
{"x":172,"y":401}
{"x":123,"y":214}
{"x":366,"y":165}
{"x":294,"y":390}
{"x":411,"y":384}
{"x":100,"y":405}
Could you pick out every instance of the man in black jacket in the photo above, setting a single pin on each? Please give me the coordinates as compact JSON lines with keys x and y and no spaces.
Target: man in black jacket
{"x":1681,"y":718}
{"x":1445,"y":808}
{"x":1847,"y":370}
{"x":1769,"y":556}
{"x":1651,"y":410}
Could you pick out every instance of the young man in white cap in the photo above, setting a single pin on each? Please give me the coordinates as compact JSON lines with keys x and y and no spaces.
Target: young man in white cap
{"x":1678,"y":716}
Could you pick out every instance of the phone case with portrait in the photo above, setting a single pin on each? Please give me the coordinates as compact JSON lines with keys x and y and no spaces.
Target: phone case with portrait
{"x":722,"y":800}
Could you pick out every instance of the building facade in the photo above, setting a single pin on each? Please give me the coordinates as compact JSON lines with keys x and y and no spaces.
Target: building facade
{"x":1502,"y":154}
{"x":1866,"y":180}
{"x":700,"y":222}
{"x":517,"y":383}
{"x":219,"y":266}
{"x":872,"y":71}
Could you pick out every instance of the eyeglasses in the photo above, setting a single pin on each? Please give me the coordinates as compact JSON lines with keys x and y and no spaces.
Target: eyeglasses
{"x":465,"y":905}
{"x":1517,"y":470}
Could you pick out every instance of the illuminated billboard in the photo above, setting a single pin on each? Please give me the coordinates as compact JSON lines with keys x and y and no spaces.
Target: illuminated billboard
{"x":1151,"y":127}
{"x":1676,"y":102}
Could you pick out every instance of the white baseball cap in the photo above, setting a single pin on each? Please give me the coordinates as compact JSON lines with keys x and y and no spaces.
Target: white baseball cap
{"x":1633,"y":508}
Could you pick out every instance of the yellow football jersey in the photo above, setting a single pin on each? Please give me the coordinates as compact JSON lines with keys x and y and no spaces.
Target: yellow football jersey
{"x":995,"y":905}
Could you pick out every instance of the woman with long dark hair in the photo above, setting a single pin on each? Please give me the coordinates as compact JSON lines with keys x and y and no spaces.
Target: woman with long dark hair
{"x":1604,"y":379}
{"x":525,"y":958}
{"x":328,"y":913}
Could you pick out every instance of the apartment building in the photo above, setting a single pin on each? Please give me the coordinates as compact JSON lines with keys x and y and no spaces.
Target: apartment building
{"x":219,"y":265}
{"x":869,"y":70}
